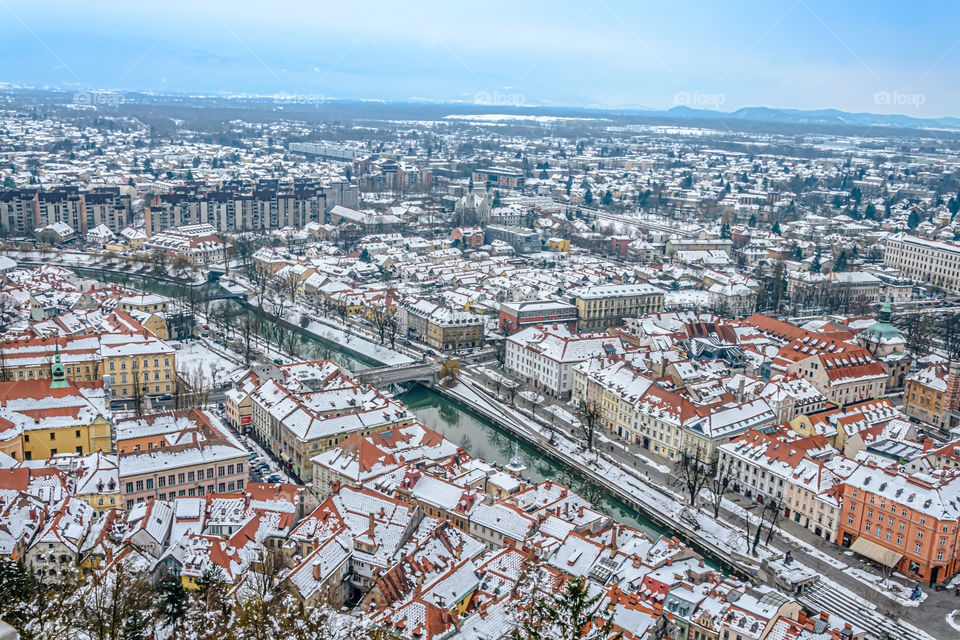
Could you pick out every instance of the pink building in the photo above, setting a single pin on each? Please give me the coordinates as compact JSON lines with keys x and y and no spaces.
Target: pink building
{"x":177,"y":454}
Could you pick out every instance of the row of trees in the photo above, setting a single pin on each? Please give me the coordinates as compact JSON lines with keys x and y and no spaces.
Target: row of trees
{"x":706,"y":483}
{"x":125,"y":605}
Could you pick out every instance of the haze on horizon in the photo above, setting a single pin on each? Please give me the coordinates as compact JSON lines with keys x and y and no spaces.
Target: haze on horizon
{"x":881,"y":57}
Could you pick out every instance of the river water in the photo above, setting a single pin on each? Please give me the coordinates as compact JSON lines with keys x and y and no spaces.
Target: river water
{"x":481,"y":438}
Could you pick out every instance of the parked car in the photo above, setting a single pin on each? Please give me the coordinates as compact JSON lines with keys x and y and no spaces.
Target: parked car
{"x":274,"y":479}
{"x":167,"y":396}
{"x":277,"y":361}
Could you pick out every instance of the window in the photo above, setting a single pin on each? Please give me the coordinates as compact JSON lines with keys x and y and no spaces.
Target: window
{"x":129,"y":487}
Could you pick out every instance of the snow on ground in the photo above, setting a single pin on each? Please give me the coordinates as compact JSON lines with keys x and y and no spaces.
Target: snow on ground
{"x":194,"y":357}
{"x":376,"y":352}
{"x":733,"y":507}
{"x":563,"y":414}
{"x":498,"y":377}
{"x":531,"y":397}
{"x":889,"y":588}
{"x":952,"y":618}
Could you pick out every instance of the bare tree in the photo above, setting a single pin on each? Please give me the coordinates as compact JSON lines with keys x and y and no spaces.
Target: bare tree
{"x":247,"y":332}
{"x":138,"y":396}
{"x":718,"y":483}
{"x":589,"y":419}
{"x":691,"y":473}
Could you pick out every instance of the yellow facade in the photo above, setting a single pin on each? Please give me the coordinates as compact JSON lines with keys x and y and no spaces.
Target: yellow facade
{"x":40,"y":444}
{"x":154,"y":373}
{"x":157,"y":325}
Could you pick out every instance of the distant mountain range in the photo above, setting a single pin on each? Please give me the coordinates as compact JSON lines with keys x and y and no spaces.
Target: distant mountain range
{"x":818,"y":117}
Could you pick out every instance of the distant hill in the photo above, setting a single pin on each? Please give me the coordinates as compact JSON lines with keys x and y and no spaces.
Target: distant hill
{"x":818,"y":116}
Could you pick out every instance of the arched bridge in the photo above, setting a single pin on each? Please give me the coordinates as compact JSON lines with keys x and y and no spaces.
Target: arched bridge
{"x":242,"y":297}
{"x":425,"y":373}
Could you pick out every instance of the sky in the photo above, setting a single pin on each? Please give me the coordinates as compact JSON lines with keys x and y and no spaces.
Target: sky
{"x":878,"y":57}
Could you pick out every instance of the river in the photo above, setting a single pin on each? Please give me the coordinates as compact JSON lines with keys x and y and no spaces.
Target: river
{"x":480,"y":437}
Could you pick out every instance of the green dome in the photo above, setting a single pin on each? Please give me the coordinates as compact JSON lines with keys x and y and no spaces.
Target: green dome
{"x":882,"y":333}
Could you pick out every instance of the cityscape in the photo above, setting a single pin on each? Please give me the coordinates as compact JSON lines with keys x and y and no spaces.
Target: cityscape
{"x":304,"y":365}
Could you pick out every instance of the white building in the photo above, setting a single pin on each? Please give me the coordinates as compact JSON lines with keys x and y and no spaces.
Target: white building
{"x":545,"y":355}
{"x":937,"y":263}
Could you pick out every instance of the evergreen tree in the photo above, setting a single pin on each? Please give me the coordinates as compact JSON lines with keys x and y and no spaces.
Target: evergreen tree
{"x":571,"y":613}
{"x":841,"y":263}
{"x":725,"y":230}
{"x":752,"y":222}
{"x":815,"y":265}
{"x":914,"y":220}
{"x":776,"y":227}
{"x":607,"y":199}
{"x":588,"y":196}
{"x":871,"y":212}
{"x":171,"y":600}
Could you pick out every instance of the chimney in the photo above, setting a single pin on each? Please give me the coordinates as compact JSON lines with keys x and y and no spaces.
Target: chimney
{"x":952,"y":396}
{"x":372,"y":524}
{"x":740,"y":390}
{"x":317,"y":570}
{"x":802,"y":617}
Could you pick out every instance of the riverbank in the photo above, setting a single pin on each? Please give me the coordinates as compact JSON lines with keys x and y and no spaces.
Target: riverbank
{"x":721,"y":544}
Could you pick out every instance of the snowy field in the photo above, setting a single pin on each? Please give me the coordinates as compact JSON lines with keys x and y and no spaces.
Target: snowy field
{"x":194,"y":358}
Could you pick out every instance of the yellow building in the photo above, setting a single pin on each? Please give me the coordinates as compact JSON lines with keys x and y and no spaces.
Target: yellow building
{"x":558,"y":244}
{"x":604,"y":306}
{"x":926,"y":391}
{"x":128,"y":358}
{"x":56,"y":416}
{"x":147,"y":303}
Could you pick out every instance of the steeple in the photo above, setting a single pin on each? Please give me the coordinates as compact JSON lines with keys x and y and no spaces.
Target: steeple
{"x":886,"y":312}
{"x":58,"y":373}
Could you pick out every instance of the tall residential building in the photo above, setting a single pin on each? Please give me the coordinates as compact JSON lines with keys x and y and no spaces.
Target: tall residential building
{"x":932,"y":261}
{"x":18,"y":211}
{"x":233,"y":207}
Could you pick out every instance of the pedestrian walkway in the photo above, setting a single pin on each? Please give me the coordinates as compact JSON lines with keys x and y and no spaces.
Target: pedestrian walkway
{"x":827,"y":596}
